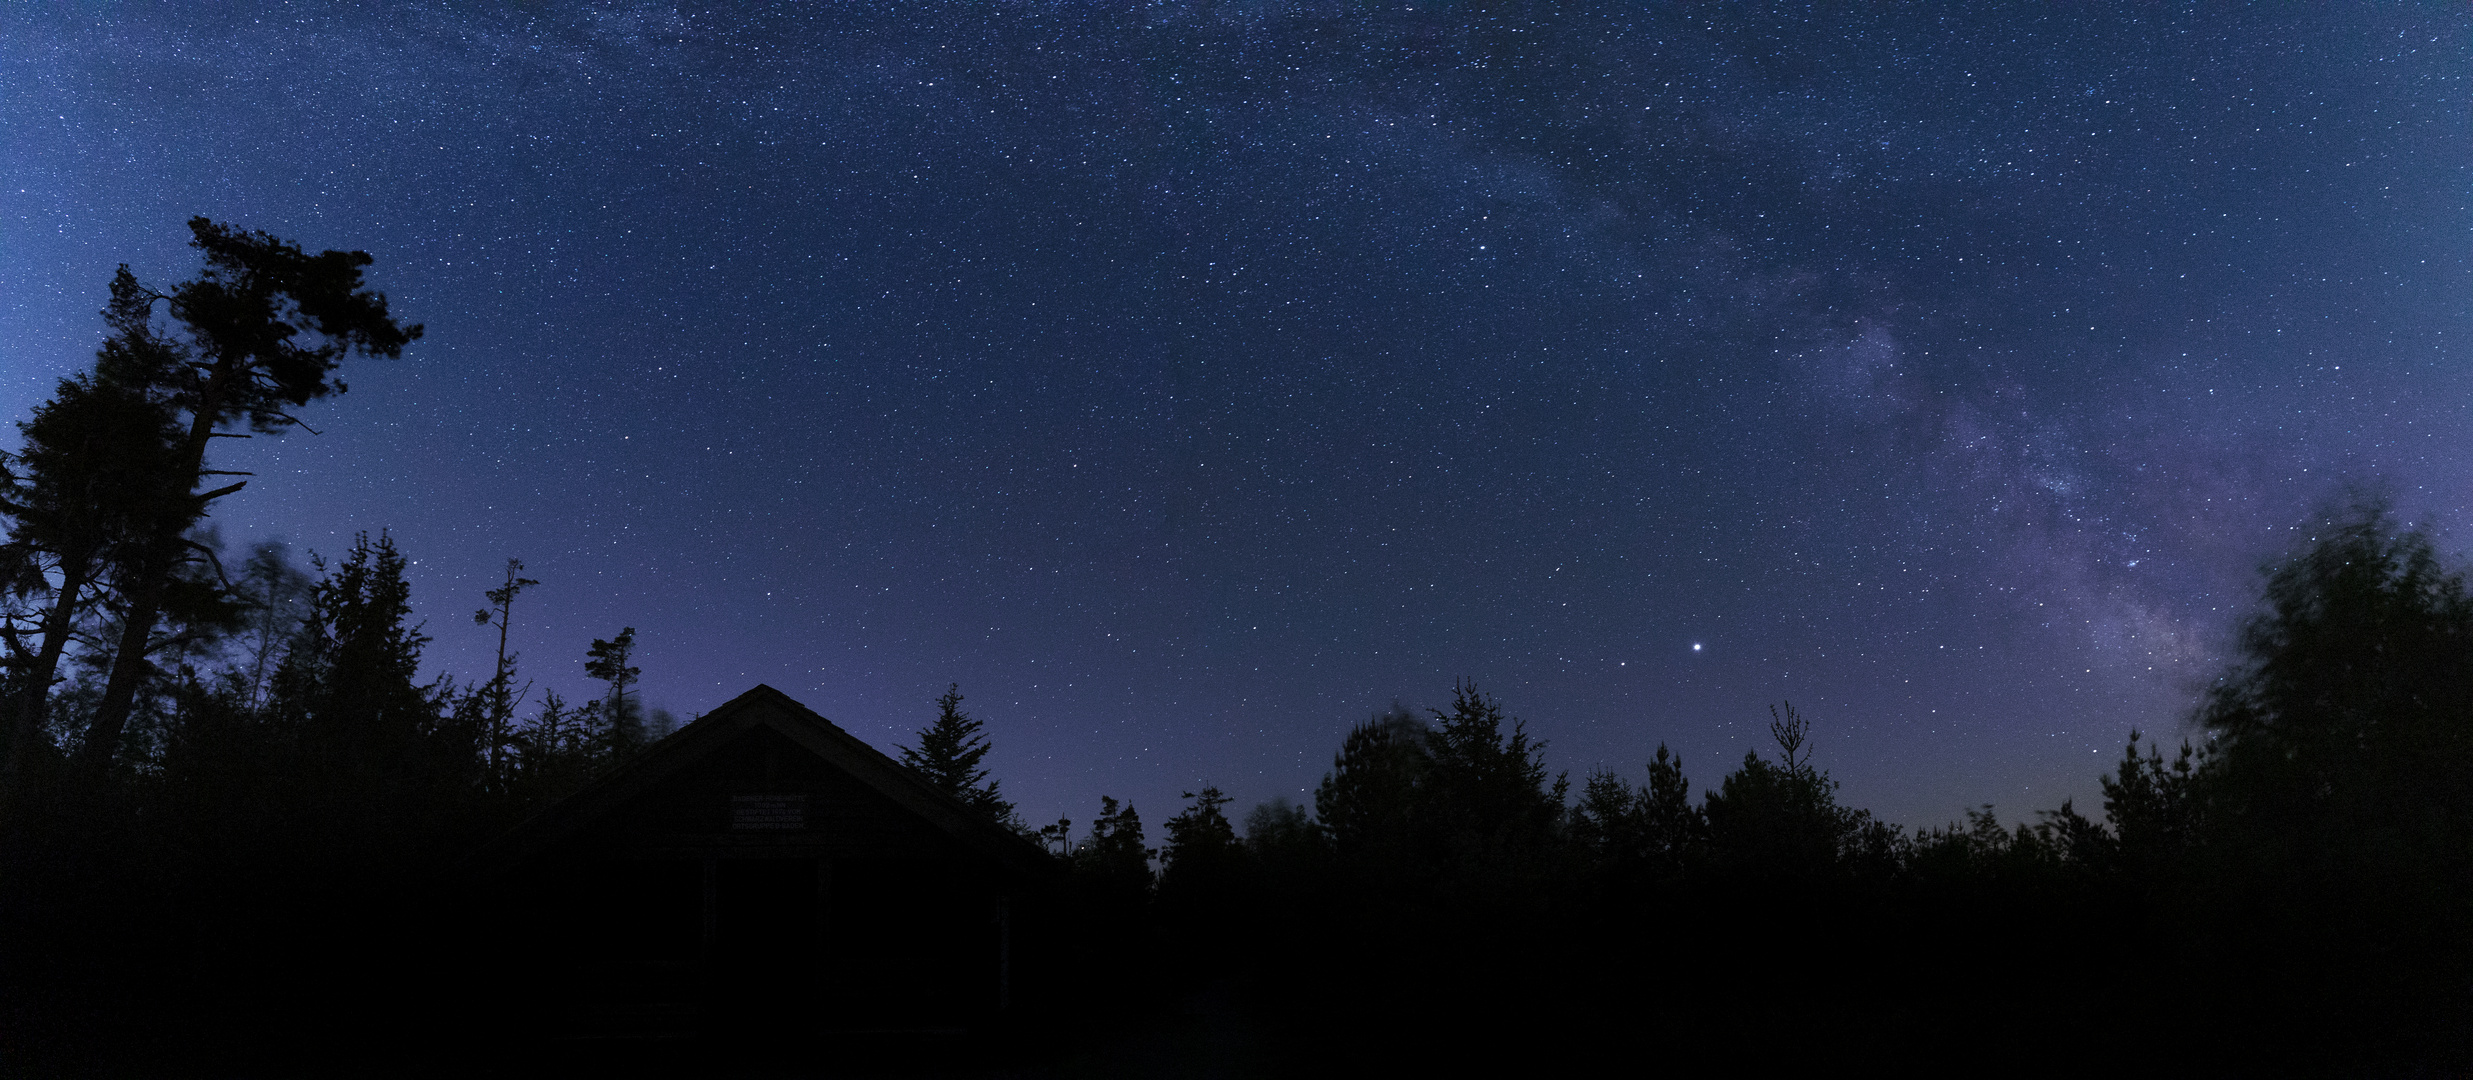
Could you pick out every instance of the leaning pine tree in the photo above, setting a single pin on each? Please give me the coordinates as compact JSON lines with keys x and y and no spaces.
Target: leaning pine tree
{"x":255,"y":335}
{"x":76,"y":496}
{"x":949,"y":753}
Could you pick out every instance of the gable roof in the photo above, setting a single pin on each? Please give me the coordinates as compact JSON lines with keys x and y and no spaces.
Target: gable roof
{"x":764,"y":707}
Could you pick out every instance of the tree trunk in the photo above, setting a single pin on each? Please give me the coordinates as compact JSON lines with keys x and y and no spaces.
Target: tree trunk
{"x":129,"y":664}
{"x":34,"y":700}
{"x":143,"y":589}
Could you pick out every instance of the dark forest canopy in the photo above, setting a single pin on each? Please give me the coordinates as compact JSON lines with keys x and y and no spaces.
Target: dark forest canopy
{"x":216,"y":772}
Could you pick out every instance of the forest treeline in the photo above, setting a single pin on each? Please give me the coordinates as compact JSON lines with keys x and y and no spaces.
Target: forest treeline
{"x":232,"y":816}
{"x":2289,"y":891}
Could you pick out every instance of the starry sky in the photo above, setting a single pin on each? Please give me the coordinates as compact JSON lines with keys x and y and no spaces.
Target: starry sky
{"x":1188,"y":381}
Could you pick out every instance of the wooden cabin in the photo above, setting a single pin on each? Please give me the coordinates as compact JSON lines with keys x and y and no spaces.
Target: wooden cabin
{"x":762,"y":869}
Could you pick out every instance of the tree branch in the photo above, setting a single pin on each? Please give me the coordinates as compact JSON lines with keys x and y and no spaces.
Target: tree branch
{"x":221,"y":492}
{"x":17,"y":648}
{"x":296,"y":421}
{"x":212,"y":559}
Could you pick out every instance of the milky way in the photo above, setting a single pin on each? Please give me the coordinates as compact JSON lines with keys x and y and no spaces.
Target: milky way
{"x":1188,"y":381}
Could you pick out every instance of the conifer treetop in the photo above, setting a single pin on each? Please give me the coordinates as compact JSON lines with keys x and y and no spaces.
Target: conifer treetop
{"x":948,"y":755}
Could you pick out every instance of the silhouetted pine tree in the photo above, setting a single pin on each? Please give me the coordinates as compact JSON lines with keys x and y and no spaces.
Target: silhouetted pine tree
{"x":1205,"y":866}
{"x":622,"y":716}
{"x":372,"y":739}
{"x":1604,"y":822}
{"x":1113,"y":859}
{"x":1782,"y":818}
{"x":948,"y":755}
{"x":1370,"y":803}
{"x":1672,"y":828}
{"x":558,"y":750}
{"x":495,"y":700}
{"x":2157,"y":812}
{"x":79,"y":495}
{"x":1631,"y":838}
{"x":262,"y":329}
{"x":1488,"y":792}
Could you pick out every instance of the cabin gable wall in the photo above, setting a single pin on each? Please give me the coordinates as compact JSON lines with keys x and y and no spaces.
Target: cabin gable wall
{"x":760,"y":885}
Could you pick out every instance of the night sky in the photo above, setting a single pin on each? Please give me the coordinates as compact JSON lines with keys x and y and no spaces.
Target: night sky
{"x":1188,"y":381}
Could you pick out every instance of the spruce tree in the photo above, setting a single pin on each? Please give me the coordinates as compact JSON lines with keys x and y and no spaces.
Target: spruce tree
{"x":949,"y":753}
{"x":1672,"y":827}
{"x":1489,"y":787}
{"x":370,"y":734}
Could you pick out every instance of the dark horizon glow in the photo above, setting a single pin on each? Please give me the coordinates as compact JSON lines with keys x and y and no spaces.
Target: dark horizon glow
{"x":1189,"y":381}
